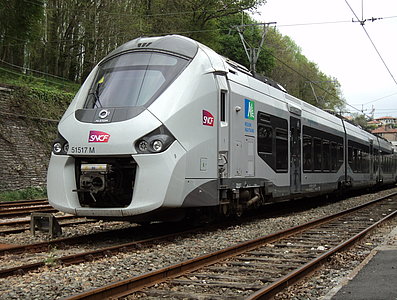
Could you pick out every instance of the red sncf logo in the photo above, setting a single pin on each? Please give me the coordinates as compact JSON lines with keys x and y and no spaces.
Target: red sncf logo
{"x":208,"y":118}
{"x":98,"y":137}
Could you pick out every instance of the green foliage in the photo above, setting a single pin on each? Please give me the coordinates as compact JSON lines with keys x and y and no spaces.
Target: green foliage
{"x":52,"y":258}
{"x":41,"y":102}
{"x":301,"y":77}
{"x":25,"y":194}
{"x":229,"y":44}
{"x":15,"y":78}
{"x":19,"y":25}
{"x":38,"y":100}
{"x":361,"y":120}
{"x":67,"y":38}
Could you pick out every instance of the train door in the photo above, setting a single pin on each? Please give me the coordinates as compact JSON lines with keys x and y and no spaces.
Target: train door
{"x":223,"y":128}
{"x":371,"y":160}
{"x":295,"y":155}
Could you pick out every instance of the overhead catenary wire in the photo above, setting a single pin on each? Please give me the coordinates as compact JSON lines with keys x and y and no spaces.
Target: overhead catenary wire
{"x":313,"y":82}
{"x":300,"y":74}
{"x":362,"y":22}
{"x":23,"y":41}
{"x":179,"y":13}
{"x":379,"y":98}
{"x":213,"y":30}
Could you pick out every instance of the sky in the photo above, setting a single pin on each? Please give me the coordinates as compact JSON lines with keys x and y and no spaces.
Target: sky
{"x":342,"y":49}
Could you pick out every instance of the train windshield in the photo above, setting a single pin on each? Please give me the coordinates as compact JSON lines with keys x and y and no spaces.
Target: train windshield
{"x":133,"y":79}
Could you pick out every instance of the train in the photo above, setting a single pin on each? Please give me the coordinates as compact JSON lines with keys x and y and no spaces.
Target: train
{"x":164,"y":128}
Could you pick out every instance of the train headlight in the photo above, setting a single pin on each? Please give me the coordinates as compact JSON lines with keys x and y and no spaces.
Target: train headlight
{"x":60,"y":146}
{"x":66,"y":147}
{"x":143,"y":146}
{"x":155,"y":142}
{"x":57,"y":148}
{"x":157,"y":145}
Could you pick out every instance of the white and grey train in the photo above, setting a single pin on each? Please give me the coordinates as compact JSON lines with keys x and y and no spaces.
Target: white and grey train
{"x":164,"y":125}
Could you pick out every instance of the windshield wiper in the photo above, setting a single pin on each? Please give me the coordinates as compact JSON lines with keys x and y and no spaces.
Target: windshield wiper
{"x":97,"y":101}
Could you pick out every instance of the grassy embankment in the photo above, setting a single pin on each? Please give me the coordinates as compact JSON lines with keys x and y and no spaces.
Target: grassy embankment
{"x":37,"y":99}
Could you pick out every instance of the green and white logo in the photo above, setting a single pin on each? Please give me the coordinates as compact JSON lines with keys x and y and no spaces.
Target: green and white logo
{"x":249,"y":109}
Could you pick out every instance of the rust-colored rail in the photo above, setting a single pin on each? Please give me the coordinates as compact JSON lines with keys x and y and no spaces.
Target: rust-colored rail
{"x":14,"y":230}
{"x":25,"y":222}
{"x":89,"y":255}
{"x":6,"y":204}
{"x":298,"y":274}
{"x":22,"y":212}
{"x":61,"y":242}
{"x":94,"y":254}
{"x":25,"y":208}
{"x":237,"y":255}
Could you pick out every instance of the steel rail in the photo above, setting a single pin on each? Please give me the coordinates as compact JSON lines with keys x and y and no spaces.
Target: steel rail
{"x":44,"y":246}
{"x":22,"y":203}
{"x":26,"y":228}
{"x":24,"y":222}
{"x":296,"y":275}
{"x":89,"y":255}
{"x":26,"y":212}
{"x":25,"y":208}
{"x":137,"y":283}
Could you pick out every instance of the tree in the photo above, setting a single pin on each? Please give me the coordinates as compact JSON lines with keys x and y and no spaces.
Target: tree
{"x":19,"y":25}
{"x":360,"y":120}
{"x":228,"y":42}
{"x":68,"y":37}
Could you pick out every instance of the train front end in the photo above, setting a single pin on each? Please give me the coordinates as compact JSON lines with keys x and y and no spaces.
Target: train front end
{"x":121,"y":150}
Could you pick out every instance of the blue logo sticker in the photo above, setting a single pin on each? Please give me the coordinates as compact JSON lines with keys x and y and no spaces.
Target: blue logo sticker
{"x":249,"y":109}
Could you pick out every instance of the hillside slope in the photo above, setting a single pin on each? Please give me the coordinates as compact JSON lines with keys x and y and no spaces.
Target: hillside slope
{"x":29,"y":113}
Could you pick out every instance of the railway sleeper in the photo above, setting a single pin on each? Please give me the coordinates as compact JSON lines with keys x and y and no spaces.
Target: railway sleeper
{"x":315,"y":240}
{"x":231,"y":278}
{"x":271,"y":260}
{"x":299,"y":245}
{"x":220,"y":284}
{"x":271,"y":264}
{"x":251,"y":271}
{"x":263,"y":266}
{"x":156,"y":294}
{"x":283,"y":255}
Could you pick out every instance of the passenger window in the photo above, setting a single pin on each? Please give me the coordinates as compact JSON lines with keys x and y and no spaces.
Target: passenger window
{"x":281,"y":149}
{"x":272,"y":145}
{"x":350,"y":155}
{"x":355,"y":160}
{"x":265,"y":139}
{"x":376,"y":160}
{"x":340,"y":155}
{"x":365,"y":162}
{"x":223,"y":106}
{"x":334,"y":157}
{"x":317,"y":154}
{"x":307,"y":153}
{"x":326,"y":156}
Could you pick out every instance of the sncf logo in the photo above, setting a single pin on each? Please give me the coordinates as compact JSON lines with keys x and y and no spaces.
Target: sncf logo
{"x":208,"y":118}
{"x":98,"y":137}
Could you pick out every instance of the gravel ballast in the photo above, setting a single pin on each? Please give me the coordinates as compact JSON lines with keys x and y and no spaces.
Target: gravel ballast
{"x":56,"y":281}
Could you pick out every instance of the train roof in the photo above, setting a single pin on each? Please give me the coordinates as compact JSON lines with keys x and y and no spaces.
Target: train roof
{"x":187,"y":47}
{"x":171,"y":43}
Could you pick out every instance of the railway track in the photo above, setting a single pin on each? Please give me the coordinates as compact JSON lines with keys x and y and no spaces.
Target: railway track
{"x":22,"y":225}
{"x":22,"y":208}
{"x":24,"y":212}
{"x":258,"y":268}
{"x":13,"y":227}
{"x":152,"y":234}
{"x":20,"y":203}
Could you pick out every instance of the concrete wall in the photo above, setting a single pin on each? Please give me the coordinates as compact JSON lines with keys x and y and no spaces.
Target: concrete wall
{"x":23,"y":156}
